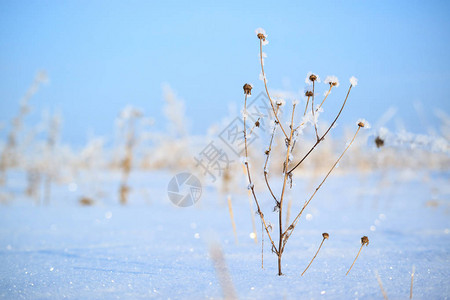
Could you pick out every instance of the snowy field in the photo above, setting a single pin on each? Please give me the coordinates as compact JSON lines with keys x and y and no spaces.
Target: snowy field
{"x":153,"y":249}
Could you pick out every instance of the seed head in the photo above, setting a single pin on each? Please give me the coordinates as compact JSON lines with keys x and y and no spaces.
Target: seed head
{"x":313,"y":77}
{"x":247,"y":89}
{"x":257,"y":123}
{"x":309,"y":93}
{"x":261,"y":34}
{"x":353,"y":81}
{"x":379,"y":142}
{"x":365,"y":241}
{"x":325,"y":235}
{"x":363,"y":123}
{"x":332,"y":81}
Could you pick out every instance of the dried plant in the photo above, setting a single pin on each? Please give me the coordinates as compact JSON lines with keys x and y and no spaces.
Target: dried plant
{"x":223,"y":276}
{"x":8,"y":156}
{"x":325,"y":236}
{"x":381,"y":286}
{"x":364,"y":241}
{"x":126,"y":123}
{"x":290,"y":134}
{"x":230,"y":210}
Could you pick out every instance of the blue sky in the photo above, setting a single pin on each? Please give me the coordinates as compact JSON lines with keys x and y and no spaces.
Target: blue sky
{"x":102,"y":55}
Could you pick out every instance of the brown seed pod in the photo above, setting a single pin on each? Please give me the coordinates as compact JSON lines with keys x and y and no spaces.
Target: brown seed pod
{"x":247,"y":89}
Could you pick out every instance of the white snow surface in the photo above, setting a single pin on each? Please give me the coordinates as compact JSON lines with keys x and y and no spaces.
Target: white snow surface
{"x":153,"y":249}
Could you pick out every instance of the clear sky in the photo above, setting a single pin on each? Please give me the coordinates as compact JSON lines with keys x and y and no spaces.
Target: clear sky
{"x":102,"y":55}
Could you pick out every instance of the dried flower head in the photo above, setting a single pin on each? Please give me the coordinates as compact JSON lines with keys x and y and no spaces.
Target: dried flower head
{"x":379,"y":142}
{"x":353,"y":81}
{"x":363,"y":123}
{"x":310,"y":77}
{"x":325,"y":235}
{"x":365,"y":241}
{"x":261,"y":34}
{"x":247,"y":89}
{"x":280,"y":102}
{"x":332,"y":81}
{"x":308,"y":93}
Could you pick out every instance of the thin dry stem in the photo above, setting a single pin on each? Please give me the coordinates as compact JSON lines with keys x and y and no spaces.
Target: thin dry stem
{"x":323,"y":136}
{"x":306,"y":108}
{"x":251,"y":183}
{"x":252,"y":213}
{"x":329,"y":91}
{"x":294,"y":223}
{"x":313,"y":114}
{"x":355,"y":259}
{"x":280,"y":211}
{"x":230,"y":209}
{"x":267,"y":90}
{"x":412,"y":283}
{"x":222,"y":273}
{"x":314,"y":256}
{"x":267,"y":160}
{"x":381,"y":286}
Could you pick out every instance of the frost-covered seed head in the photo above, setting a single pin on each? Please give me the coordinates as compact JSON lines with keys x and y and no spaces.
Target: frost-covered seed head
{"x":261,"y":34}
{"x":353,"y":81}
{"x":311,"y":77}
{"x":325,"y":235}
{"x":363,"y":123}
{"x":280,"y":102}
{"x":247,"y":89}
{"x":365,"y":241}
{"x":332,"y":81}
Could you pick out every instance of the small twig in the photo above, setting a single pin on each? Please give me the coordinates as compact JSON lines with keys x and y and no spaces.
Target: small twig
{"x":267,"y":160}
{"x":323,"y":136}
{"x":381,"y":286}
{"x":267,"y":90}
{"x":364,"y":241}
{"x":325,"y":237}
{"x":329,"y":91}
{"x":247,"y":91}
{"x":306,"y":107}
{"x":313,"y":115}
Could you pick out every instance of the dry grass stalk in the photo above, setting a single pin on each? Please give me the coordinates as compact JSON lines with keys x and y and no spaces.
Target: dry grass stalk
{"x":364,"y":241}
{"x":127,"y":122}
{"x":412,"y":282}
{"x":325,"y":237}
{"x":230,"y":209}
{"x":381,"y":286}
{"x":8,"y":157}
{"x":222,"y":273}
{"x":290,"y":137}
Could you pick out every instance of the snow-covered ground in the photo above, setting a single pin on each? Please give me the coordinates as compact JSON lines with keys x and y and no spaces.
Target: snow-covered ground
{"x":152,"y":249}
